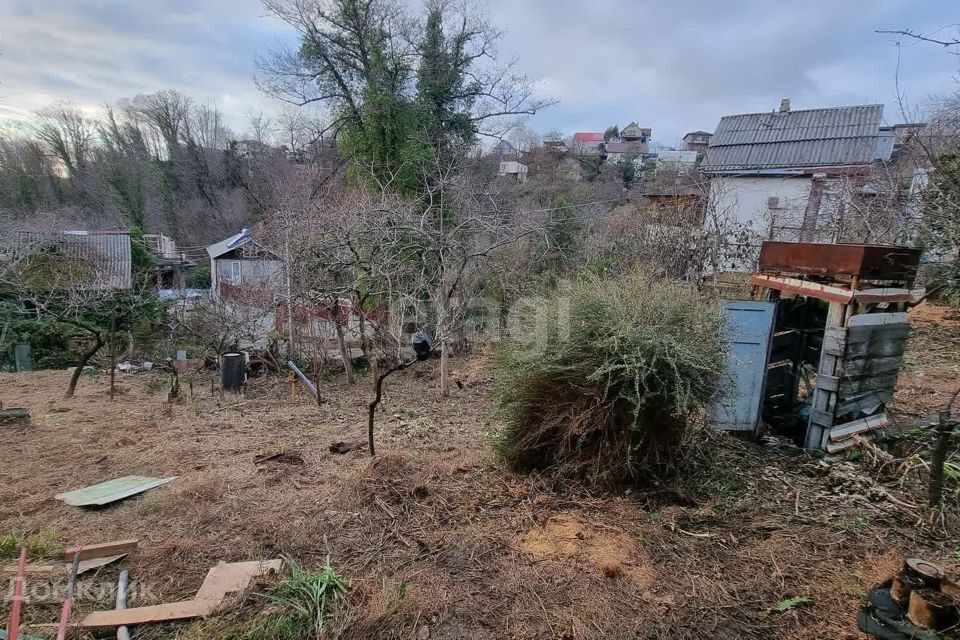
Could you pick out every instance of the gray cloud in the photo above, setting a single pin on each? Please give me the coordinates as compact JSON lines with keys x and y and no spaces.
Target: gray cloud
{"x":674,"y":66}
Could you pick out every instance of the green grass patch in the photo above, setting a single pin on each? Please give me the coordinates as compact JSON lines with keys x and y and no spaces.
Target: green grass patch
{"x":43,"y":544}
{"x":299,"y":605}
{"x":853,"y":524}
{"x":792,"y":603}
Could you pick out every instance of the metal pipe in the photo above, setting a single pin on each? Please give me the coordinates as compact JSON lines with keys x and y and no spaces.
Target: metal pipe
{"x":303,"y":377}
{"x":122,"y":632}
{"x":68,"y":603}
{"x":13,"y":627}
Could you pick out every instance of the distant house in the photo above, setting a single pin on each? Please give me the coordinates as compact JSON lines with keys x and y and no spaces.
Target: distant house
{"x":587,"y":143}
{"x":171,"y":264}
{"x":555,"y":144}
{"x":780,"y":173}
{"x":638,"y":136}
{"x":241,"y":270}
{"x":251,"y":149}
{"x":697,"y":141}
{"x":505,"y":150}
{"x":249,"y":279}
{"x":92,"y":260}
{"x":617,"y":151}
{"x":513,"y":169}
{"x":669,"y":160}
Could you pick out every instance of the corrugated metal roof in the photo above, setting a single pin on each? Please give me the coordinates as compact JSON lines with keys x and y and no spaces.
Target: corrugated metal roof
{"x":841,"y":136}
{"x":229,"y":244}
{"x":108,"y":251}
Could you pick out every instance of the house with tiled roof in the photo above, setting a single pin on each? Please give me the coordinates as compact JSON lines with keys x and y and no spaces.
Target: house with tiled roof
{"x":587,"y":143}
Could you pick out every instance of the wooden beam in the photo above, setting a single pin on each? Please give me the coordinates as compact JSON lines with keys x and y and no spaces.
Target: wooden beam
{"x":102,"y":550}
{"x":883,"y":295}
{"x":850,"y":429}
{"x":152,"y":613}
{"x":825,"y":401}
{"x":826,"y":292}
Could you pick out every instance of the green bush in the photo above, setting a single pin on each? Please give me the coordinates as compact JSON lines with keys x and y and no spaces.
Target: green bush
{"x":611,"y":399}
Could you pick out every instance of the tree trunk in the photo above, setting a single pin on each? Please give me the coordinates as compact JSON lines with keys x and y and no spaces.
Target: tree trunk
{"x":113,"y":352}
{"x":944,"y":430}
{"x":443,"y":323}
{"x":84,"y":359}
{"x":342,"y":343}
{"x":378,"y":395}
{"x":444,"y":368}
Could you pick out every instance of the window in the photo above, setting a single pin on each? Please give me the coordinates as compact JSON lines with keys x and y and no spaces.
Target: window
{"x":235,"y":271}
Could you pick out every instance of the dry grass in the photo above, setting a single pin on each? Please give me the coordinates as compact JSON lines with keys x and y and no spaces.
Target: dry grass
{"x":931,"y":368}
{"x":435,"y":533}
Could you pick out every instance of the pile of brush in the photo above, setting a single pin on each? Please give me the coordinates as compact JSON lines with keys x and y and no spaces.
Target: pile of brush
{"x":608,"y":394}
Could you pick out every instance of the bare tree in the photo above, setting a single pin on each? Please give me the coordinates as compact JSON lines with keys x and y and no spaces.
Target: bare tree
{"x":167,"y":112}
{"x":206,"y":126}
{"x":68,"y":134}
{"x":260,"y":127}
{"x":52,"y":275}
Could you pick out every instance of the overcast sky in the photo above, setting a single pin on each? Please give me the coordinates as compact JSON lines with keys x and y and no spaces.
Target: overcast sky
{"x":675,"y":65}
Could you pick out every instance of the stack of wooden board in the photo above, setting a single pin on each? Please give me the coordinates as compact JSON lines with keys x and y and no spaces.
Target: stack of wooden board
{"x":858,"y":376}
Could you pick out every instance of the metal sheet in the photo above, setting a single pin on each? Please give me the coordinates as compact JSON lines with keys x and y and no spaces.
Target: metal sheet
{"x":749,"y":330}
{"x":863,"y":260}
{"x":111,"y":491}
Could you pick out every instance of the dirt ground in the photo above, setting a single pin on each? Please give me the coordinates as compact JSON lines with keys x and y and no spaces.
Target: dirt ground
{"x":436,"y":537}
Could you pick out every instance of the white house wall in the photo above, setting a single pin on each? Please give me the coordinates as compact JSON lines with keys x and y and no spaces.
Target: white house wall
{"x":745,"y":200}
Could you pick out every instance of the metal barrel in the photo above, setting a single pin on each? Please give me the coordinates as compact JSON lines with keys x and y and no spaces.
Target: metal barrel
{"x":233,"y":371}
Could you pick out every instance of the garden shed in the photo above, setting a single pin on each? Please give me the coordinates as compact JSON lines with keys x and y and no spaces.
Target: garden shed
{"x":834,"y":328}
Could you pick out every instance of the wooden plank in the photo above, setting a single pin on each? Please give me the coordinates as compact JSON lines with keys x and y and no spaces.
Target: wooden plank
{"x":874,"y":319}
{"x":104,"y":549}
{"x":153,"y":613}
{"x":822,"y":418}
{"x":827,"y":382}
{"x":839,"y":447}
{"x":824,"y":401}
{"x":236,"y":576}
{"x":850,"y":429}
{"x":871,"y":365}
{"x":869,"y":402}
{"x":885,"y":294}
{"x":893,"y":347}
{"x":882,"y":382}
{"x":803,"y":287}
{"x":84,"y":566}
{"x":220,"y":580}
{"x":880,"y":333}
{"x":834,"y":341}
